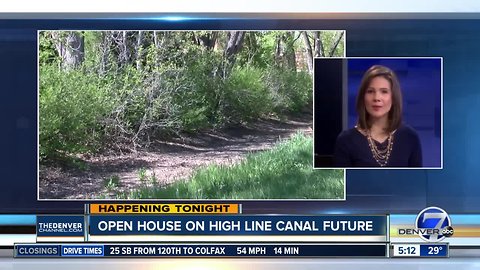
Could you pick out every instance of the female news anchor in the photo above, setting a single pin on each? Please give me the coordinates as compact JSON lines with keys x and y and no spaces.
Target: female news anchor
{"x":379,"y":139}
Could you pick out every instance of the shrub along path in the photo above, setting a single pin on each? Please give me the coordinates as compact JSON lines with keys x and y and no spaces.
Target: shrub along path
{"x":105,"y":176}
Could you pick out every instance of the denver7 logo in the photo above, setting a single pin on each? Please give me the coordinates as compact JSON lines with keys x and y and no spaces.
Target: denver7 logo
{"x":434,"y":223}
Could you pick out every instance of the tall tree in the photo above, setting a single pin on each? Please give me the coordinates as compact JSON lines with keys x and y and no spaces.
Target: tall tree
{"x":207,"y":39}
{"x":336,"y":43}
{"x":289,"y":40}
{"x":121,"y":41}
{"x":159,"y":40}
{"x":106,"y":40}
{"x":318,"y":44}
{"x":308,"y":51}
{"x":139,"y":50}
{"x":234,"y":43}
{"x":285,"y":49}
{"x":251,"y":47}
{"x":70,"y":46}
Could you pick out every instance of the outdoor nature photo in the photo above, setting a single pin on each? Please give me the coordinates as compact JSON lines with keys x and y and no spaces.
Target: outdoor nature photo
{"x":181,"y":115}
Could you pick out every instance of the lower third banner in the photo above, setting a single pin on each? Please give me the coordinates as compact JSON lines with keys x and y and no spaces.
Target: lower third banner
{"x":200,"y":250}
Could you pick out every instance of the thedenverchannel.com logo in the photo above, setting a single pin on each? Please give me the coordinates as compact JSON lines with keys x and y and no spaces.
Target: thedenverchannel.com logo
{"x":432,"y":225}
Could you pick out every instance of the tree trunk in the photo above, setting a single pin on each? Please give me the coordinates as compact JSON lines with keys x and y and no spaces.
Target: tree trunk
{"x":138,"y":50}
{"x":278,"y":50}
{"x":105,"y":46}
{"x":70,"y":47}
{"x":318,"y":44}
{"x":123,"y":55}
{"x":251,"y":41}
{"x":233,"y":46}
{"x":156,"y":42}
{"x":234,"y":43}
{"x":337,"y":41}
{"x":308,"y":51}
{"x":285,"y":50}
{"x":207,"y":40}
{"x":290,"y":50}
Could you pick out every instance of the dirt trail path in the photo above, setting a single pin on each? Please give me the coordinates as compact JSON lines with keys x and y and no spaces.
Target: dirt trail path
{"x":169,"y":161}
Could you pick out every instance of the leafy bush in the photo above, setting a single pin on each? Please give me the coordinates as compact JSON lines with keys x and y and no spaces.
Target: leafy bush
{"x":202,"y":91}
{"x":246,"y":96}
{"x":72,"y":105}
{"x":291,"y":91}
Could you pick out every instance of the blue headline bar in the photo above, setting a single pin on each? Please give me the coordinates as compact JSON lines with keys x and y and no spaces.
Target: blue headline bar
{"x":238,"y":225}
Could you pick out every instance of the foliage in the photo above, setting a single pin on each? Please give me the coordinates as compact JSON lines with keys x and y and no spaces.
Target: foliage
{"x":47,"y":53}
{"x":246,"y":95}
{"x":291,"y":91}
{"x":72,"y":105}
{"x":328,"y":38}
{"x":132,"y":86}
{"x":203,"y":84}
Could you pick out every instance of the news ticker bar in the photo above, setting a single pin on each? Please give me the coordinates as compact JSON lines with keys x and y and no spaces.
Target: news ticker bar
{"x":419,"y":250}
{"x":200,"y":250}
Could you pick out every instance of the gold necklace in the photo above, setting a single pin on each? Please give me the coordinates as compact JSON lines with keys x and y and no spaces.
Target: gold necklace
{"x":381,"y":156}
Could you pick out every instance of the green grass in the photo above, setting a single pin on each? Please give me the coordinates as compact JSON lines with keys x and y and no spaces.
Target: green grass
{"x":112,"y":182}
{"x":284,"y":172}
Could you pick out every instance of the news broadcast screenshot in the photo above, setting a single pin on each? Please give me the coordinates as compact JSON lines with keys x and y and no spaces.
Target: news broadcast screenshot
{"x":295,"y":136}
